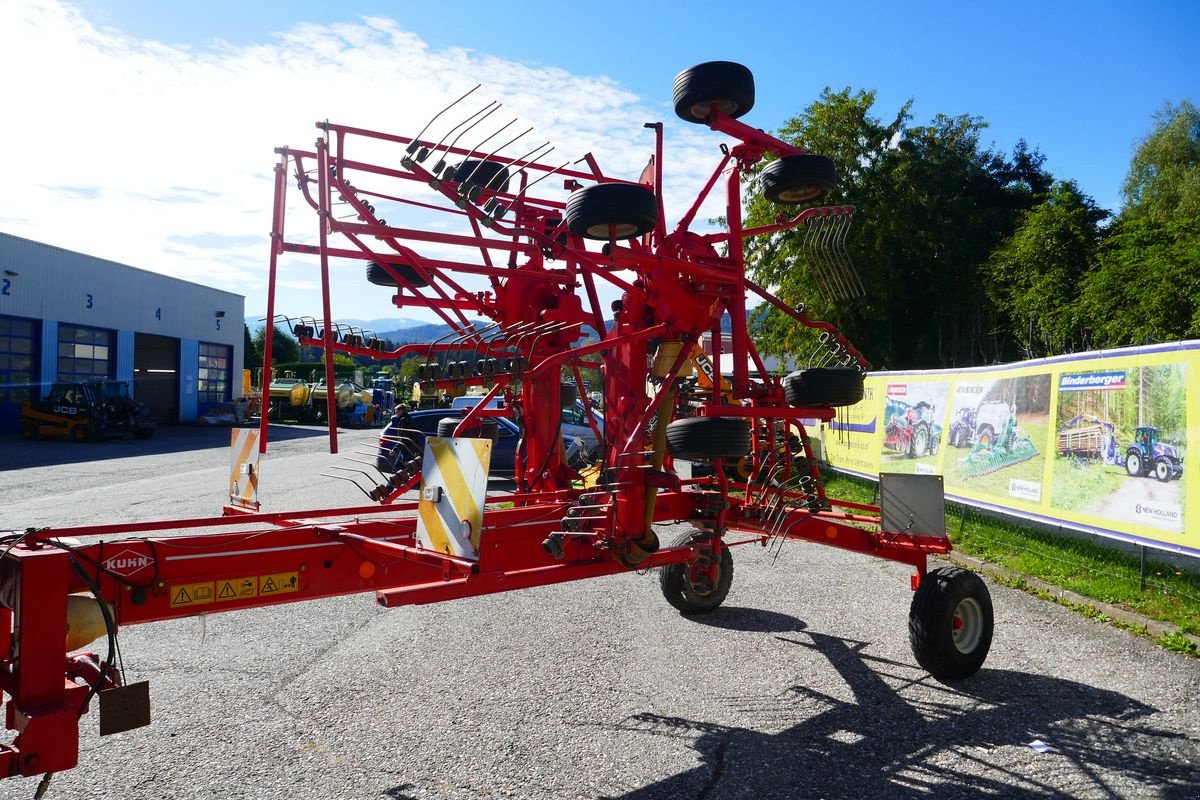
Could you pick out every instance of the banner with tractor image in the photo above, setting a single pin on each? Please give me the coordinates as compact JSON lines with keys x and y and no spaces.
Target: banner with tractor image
{"x":1097,"y":442}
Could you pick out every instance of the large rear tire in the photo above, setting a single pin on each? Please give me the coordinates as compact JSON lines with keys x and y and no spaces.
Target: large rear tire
{"x":611,"y":210}
{"x":691,"y":588}
{"x":950,"y":623}
{"x":1133,"y":465}
{"x":801,"y":178}
{"x":29,"y":429}
{"x":379,"y":276}
{"x":728,"y":85}
{"x":703,"y":438}
{"x":920,"y":441}
{"x":823,"y":386}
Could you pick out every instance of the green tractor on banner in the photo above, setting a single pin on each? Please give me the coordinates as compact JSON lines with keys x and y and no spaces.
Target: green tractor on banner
{"x":999,"y":443}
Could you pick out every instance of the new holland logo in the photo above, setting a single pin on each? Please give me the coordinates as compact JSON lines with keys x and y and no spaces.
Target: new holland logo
{"x":127,"y":563}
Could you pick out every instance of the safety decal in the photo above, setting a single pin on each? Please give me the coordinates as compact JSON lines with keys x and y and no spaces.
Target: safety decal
{"x":237,"y":589}
{"x":278,"y":583}
{"x":192,"y":594}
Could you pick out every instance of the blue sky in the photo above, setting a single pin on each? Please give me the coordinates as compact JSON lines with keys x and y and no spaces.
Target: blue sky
{"x":161,"y":122}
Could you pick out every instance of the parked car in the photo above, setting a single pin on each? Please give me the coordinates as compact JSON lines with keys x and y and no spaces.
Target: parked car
{"x":404,"y":438}
{"x":468,"y":401}
{"x":575,"y":425}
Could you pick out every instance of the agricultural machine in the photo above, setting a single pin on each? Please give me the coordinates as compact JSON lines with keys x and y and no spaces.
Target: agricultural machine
{"x":911,"y":429}
{"x":1147,"y":455}
{"x":962,"y":430}
{"x":1086,"y":439}
{"x":86,"y":410}
{"x":525,"y":243}
{"x":999,"y":442}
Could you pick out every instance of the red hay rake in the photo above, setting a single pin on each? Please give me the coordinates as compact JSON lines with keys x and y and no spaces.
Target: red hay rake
{"x":519,"y":285}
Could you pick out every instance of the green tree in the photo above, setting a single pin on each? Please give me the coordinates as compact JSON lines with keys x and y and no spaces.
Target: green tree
{"x":283,"y":347}
{"x":1035,"y":277}
{"x":251,"y":355}
{"x":1147,"y":283}
{"x":1164,"y":175}
{"x":933,"y":203}
{"x":1147,"y":278}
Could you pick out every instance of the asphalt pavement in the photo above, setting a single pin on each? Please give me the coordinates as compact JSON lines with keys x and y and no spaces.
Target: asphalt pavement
{"x":801,"y":686}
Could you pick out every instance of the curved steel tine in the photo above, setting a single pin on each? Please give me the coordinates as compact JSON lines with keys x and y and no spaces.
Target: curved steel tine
{"x":486,"y":158}
{"x":416,"y":142}
{"x":471,"y":153}
{"x":429,"y":355}
{"x":478,"y":338}
{"x":501,"y":209}
{"x":524,"y":161}
{"x":490,"y":108}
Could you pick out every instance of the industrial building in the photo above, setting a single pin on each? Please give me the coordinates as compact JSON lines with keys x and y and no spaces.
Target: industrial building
{"x":69,"y":316}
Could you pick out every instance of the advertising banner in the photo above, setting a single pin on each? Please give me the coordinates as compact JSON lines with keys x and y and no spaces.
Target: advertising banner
{"x":1097,"y":442}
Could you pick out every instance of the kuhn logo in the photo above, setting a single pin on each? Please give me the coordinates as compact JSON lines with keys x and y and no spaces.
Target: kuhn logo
{"x":897,"y":389}
{"x":127,"y":563}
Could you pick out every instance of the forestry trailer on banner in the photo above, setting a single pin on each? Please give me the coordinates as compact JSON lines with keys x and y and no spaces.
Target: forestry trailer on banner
{"x":525,"y":243}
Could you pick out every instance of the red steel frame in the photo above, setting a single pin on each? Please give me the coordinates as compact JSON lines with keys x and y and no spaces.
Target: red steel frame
{"x":679,"y":289}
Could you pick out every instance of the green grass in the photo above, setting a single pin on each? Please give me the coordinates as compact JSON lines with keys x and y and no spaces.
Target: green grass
{"x":1082,"y":487}
{"x":1078,"y":565}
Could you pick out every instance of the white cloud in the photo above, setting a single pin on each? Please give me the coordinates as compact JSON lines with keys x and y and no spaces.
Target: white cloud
{"x":162,"y":156}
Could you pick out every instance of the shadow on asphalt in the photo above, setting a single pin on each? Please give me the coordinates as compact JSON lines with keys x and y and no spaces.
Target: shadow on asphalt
{"x":880,"y":744}
{"x":18,"y":453}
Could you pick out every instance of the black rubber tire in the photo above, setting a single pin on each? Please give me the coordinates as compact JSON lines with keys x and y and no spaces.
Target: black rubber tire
{"x":728,"y":84}
{"x":914,"y":450}
{"x":823,"y":386}
{"x":1162,"y":471}
{"x":986,"y":436}
{"x":568,"y":394}
{"x":703,"y":438}
{"x":1133,"y":465}
{"x":491,"y":176}
{"x":801,"y":178}
{"x":83,"y":433}
{"x":677,"y":588}
{"x":29,"y":430}
{"x":482,"y":429}
{"x":951,"y":602}
{"x":145,"y":433}
{"x":629,"y":209}
{"x":379,"y":276}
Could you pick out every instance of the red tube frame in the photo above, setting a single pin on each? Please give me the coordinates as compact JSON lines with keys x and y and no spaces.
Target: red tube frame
{"x":374,"y":548}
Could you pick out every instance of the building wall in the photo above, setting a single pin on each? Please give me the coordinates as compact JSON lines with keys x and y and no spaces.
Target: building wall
{"x":61,"y":287}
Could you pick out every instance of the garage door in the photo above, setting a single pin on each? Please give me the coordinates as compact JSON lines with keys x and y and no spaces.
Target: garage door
{"x":156,"y":375}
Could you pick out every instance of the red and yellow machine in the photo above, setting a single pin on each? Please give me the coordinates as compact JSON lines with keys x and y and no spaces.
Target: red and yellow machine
{"x":536,"y":242}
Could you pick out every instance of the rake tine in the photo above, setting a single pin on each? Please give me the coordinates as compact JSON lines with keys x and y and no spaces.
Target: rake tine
{"x":416,"y":142}
{"x":493,"y":106}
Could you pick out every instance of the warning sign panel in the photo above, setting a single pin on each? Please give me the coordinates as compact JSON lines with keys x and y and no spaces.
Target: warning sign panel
{"x":237,"y":589}
{"x":279,"y":583}
{"x":192,"y":594}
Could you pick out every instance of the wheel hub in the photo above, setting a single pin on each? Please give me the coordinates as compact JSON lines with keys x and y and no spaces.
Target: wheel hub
{"x":967,"y":625}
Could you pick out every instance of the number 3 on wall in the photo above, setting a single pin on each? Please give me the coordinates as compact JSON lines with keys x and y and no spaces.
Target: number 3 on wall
{"x":89,"y":301}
